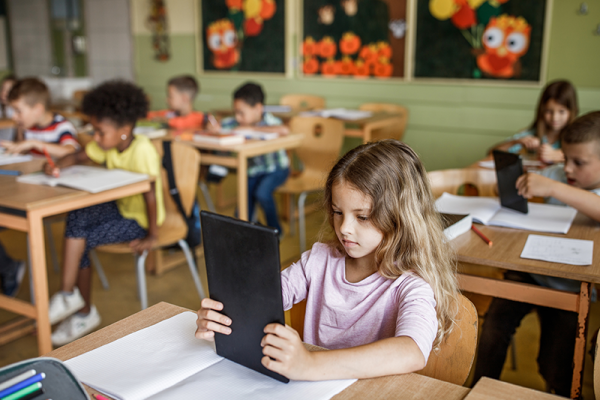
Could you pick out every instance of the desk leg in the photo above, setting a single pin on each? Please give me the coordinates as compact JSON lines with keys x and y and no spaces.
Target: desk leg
{"x":242,"y":189}
{"x":40,"y":281}
{"x":580,"y":339}
{"x":367,"y":134}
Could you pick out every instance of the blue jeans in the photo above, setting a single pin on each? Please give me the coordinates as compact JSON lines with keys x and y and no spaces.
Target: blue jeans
{"x":260,"y":190}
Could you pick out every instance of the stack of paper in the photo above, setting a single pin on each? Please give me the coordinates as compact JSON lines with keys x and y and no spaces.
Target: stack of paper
{"x":166,"y":361}
{"x":487,"y":211}
{"x":339,"y":113}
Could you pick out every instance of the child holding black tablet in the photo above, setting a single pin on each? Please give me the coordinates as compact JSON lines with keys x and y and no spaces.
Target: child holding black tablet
{"x":381,"y":293}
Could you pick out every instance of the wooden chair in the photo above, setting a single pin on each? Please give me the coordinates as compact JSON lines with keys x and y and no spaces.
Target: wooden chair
{"x":391,"y":132}
{"x":453,"y":361}
{"x":302,"y":102}
{"x":597,"y":371}
{"x":186,"y":166}
{"x":323,"y":139}
{"x":467,"y":181}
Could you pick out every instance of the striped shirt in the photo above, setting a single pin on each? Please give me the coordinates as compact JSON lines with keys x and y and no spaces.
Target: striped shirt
{"x":59,"y":131}
{"x":267,"y":163}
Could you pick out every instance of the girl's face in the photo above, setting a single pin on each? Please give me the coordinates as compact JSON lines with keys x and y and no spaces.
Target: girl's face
{"x":556,"y":116}
{"x":107,"y":134}
{"x":351,"y":221}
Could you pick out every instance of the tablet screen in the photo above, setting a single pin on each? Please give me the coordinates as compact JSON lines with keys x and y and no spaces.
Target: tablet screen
{"x":509,"y":167}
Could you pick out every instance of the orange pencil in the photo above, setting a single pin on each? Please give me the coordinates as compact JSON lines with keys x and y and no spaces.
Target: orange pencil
{"x":481,"y":235}
{"x":49,"y":159}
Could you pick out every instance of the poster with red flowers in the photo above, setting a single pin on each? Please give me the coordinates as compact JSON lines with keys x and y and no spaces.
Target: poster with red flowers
{"x":243,"y":35}
{"x":353,"y":38}
{"x":480,"y":39}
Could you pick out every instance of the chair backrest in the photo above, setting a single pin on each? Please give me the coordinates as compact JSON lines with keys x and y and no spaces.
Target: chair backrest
{"x":389,"y":132}
{"x":452,"y":362}
{"x":467,"y":181}
{"x":322,"y":143}
{"x":186,"y":168}
{"x":302,"y":102}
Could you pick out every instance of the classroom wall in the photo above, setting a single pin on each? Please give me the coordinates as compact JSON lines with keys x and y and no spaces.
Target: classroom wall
{"x":451,"y":124}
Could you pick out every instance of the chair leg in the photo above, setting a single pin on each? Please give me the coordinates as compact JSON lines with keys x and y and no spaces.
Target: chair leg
{"x":192,"y":265}
{"x":31,"y":289}
{"x":99,"y":269}
{"x":513,"y":353}
{"x":140,"y":262}
{"x":292,"y":217}
{"x":52,"y":245}
{"x":302,"y":221}
{"x":206,"y":194}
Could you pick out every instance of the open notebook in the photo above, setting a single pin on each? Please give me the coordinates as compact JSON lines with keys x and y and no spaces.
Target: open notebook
{"x":339,"y":113}
{"x":166,"y":361}
{"x":487,"y":210}
{"x":83,"y":177}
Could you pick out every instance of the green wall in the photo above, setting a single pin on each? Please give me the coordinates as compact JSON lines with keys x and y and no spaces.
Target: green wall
{"x":450,"y":125}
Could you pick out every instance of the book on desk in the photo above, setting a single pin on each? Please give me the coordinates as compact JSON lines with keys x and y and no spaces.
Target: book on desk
{"x":86,"y":178}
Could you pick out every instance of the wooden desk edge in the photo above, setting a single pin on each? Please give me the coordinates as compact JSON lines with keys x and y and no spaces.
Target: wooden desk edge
{"x":379,"y":388}
{"x":489,"y":389}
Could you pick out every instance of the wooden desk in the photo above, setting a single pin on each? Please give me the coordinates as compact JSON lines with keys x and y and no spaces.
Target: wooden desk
{"x":505,"y":254}
{"x":6,"y":123}
{"x":410,"y":386}
{"x":492,"y":389}
{"x":238,"y":156}
{"x":23,"y":208}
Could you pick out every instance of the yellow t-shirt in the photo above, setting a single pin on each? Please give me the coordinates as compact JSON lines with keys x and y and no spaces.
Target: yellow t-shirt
{"x":140,"y":156}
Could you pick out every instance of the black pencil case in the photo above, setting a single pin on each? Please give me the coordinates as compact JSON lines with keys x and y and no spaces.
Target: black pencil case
{"x":59,"y":383}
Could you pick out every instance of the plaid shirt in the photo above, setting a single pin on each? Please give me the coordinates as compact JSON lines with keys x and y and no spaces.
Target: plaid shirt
{"x":267,"y":163}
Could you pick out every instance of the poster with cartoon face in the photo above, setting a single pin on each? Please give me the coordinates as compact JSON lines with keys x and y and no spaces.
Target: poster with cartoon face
{"x":480,"y":39}
{"x":244,"y":35}
{"x":353,"y":38}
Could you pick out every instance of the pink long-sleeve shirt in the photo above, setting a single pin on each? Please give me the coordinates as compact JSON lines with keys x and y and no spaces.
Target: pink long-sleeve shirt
{"x":341,"y":314}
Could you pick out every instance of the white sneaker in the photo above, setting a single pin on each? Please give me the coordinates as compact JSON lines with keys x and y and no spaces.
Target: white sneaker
{"x":62,"y":305}
{"x":76,"y":326}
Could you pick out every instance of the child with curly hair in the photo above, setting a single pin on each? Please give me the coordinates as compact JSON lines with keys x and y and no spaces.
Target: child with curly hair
{"x":113,"y":109}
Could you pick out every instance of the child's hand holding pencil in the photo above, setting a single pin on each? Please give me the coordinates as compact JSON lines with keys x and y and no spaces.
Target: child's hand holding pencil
{"x":50,"y":168}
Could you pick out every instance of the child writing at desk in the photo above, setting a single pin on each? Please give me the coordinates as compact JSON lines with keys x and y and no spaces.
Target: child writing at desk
{"x":381,"y":292}
{"x":113,"y":109}
{"x":556,"y":108}
{"x":576,"y":184}
{"x":38,"y":129}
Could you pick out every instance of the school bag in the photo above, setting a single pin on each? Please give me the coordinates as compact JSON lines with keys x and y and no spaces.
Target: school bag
{"x":194,"y":237}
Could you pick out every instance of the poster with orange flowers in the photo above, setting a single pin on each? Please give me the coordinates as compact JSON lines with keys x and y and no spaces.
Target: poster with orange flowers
{"x":353,"y":38}
{"x":243,"y":35}
{"x":480,"y":39}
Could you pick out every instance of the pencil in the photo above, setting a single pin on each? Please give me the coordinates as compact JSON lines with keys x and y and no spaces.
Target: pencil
{"x":481,"y":235}
{"x":99,"y":397}
{"x":49,"y":159}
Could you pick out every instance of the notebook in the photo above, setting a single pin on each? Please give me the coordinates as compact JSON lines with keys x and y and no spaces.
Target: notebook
{"x":255,"y":134}
{"x":86,"y":178}
{"x":166,"y":361}
{"x":487,"y":210}
{"x":6,"y":159}
{"x":223,"y":139}
{"x":151,"y":132}
{"x":243,"y":269}
{"x":456,"y":224}
{"x":339,"y":113}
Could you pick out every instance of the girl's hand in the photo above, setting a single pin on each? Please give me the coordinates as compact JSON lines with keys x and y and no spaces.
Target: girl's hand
{"x":550,"y":155}
{"x":285,"y":353}
{"x":534,"y":185}
{"x":210,"y":321}
{"x":530,"y":142}
{"x":51,"y":171}
{"x":140,"y":245}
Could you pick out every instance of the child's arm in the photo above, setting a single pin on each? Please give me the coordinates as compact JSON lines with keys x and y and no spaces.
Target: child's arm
{"x":550,"y":155}
{"x":531,"y":143}
{"x":139,"y":245}
{"x":78,"y":157}
{"x":56,"y":150}
{"x":532,"y":185}
{"x":285,"y":353}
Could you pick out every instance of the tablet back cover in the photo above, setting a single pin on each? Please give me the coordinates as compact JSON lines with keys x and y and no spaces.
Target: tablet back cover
{"x":243,"y":269}
{"x":509,"y":167}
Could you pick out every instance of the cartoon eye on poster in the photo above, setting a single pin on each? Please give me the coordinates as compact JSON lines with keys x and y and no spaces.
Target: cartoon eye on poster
{"x":480,"y":39}
{"x":353,"y":38}
{"x":244,"y":35}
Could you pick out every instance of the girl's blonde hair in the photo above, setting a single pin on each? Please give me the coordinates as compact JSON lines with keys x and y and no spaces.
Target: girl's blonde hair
{"x":392,"y":176}
{"x":563,"y":92}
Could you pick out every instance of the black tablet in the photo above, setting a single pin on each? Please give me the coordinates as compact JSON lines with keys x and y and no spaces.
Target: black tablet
{"x":509,"y":167}
{"x":243,"y":268}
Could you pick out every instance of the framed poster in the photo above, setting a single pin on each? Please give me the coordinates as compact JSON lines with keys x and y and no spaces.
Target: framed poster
{"x":353,"y":38}
{"x":480,"y":39}
{"x":243,"y":35}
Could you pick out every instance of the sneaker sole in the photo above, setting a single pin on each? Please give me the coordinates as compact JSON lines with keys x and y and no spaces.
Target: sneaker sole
{"x":82,"y":334}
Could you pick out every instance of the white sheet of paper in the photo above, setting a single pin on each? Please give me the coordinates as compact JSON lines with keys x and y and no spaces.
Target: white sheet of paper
{"x":7,"y":159}
{"x":482,"y":209}
{"x":147,"y":361}
{"x":231,"y":381}
{"x":540,"y":218}
{"x":559,"y":250}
